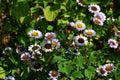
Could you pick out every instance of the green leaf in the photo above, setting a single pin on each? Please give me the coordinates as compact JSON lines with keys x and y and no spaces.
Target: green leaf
{"x":2,"y":73}
{"x":77,"y":74}
{"x":57,"y":59}
{"x":51,"y":12}
{"x":80,"y":61}
{"x":50,"y":28}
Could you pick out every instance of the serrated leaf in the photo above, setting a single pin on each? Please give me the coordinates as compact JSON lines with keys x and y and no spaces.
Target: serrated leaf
{"x":2,"y":73}
{"x":51,"y":12}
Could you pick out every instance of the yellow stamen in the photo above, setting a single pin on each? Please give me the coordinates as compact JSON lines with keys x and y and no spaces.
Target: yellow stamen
{"x":89,"y":33}
{"x":34,"y":33}
{"x":79,"y":25}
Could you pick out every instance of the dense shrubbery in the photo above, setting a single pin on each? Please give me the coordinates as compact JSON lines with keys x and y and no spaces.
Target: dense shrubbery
{"x":59,"y":40}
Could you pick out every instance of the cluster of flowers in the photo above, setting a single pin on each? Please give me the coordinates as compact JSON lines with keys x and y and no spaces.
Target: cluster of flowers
{"x":105,"y":69}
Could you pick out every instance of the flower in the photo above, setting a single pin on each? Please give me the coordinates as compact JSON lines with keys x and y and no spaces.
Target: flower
{"x":25,"y":56}
{"x":50,"y":36}
{"x":109,"y":67}
{"x":80,"y":25}
{"x":35,"y":34}
{"x":55,"y":43}
{"x":72,"y":24}
{"x":7,"y":50}
{"x":34,"y":48}
{"x":80,"y":2}
{"x":47,"y":47}
{"x":36,"y":66}
{"x":80,"y":40}
{"x":20,"y":49}
{"x":89,"y":33}
{"x":76,"y":52}
{"x":9,"y":78}
{"x":98,"y":21}
{"x":93,"y":8}
{"x":117,"y":33}
{"x":54,"y":74}
{"x":113,"y":43}
{"x":101,"y":71}
{"x":36,"y":55}
{"x":100,"y":15}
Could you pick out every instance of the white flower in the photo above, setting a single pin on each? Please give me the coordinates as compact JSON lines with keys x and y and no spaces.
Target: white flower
{"x":98,"y":21}
{"x":80,"y":25}
{"x":113,"y":43}
{"x":36,"y":66}
{"x":55,"y":43}
{"x":7,"y":50}
{"x":100,"y":70}
{"x":80,"y":2}
{"x":80,"y":40}
{"x":50,"y":36}
{"x":47,"y":47}
{"x":54,"y":74}
{"x":117,"y":33}
{"x":94,"y":8}
{"x":89,"y":33}
{"x":109,"y":67}
{"x":72,"y":24}
{"x":76,"y":52}
{"x":100,"y":15}
{"x":25,"y":56}
{"x":34,"y":48}
{"x":20,"y":49}
{"x":35,"y":34}
{"x":9,"y":78}
{"x":36,"y":55}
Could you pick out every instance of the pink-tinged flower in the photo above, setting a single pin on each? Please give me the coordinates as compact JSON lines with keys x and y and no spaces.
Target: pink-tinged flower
{"x":80,"y":40}
{"x":109,"y":67}
{"x":20,"y":49}
{"x":89,"y":33}
{"x":94,"y":8}
{"x":100,"y":70}
{"x":80,"y":25}
{"x":34,"y":48}
{"x":36,"y":55}
{"x":9,"y":78}
{"x":55,"y":43}
{"x":50,"y":36}
{"x":72,"y":24}
{"x":36,"y":66}
{"x":35,"y":34}
{"x":54,"y":74}
{"x":80,"y":2}
{"x":98,"y":21}
{"x":25,"y":56}
{"x":117,"y":33}
{"x":47,"y":47}
{"x":113,"y":43}
{"x":100,"y":15}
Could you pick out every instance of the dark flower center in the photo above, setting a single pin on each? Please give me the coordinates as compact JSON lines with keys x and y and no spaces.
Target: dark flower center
{"x":35,"y":48}
{"x":112,"y":43}
{"x":94,"y":8}
{"x":21,"y":49}
{"x":81,"y":40}
{"x":37,"y":65}
{"x":80,"y":1}
{"x":48,"y":46}
{"x":118,"y":33}
{"x":54,"y":73}
{"x":25,"y":57}
{"x":102,"y":71}
{"x":109,"y":68}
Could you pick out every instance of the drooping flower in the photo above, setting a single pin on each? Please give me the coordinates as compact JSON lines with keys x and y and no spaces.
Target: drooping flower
{"x":80,"y":40}
{"x":98,"y":21}
{"x":109,"y":67}
{"x":80,"y":25}
{"x":80,"y":2}
{"x":100,"y":70}
{"x":47,"y":47}
{"x":7,"y":50}
{"x":117,"y":33}
{"x":36,"y":66}
{"x":113,"y":43}
{"x":9,"y":78}
{"x":50,"y":36}
{"x":76,"y":52}
{"x":55,"y":43}
{"x":94,"y":8}
{"x":89,"y":33}
{"x":25,"y":56}
{"x":54,"y":74}
{"x":100,"y":15}
{"x":36,"y":55}
{"x":20,"y":49}
{"x":34,"y":48}
{"x":35,"y":34}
